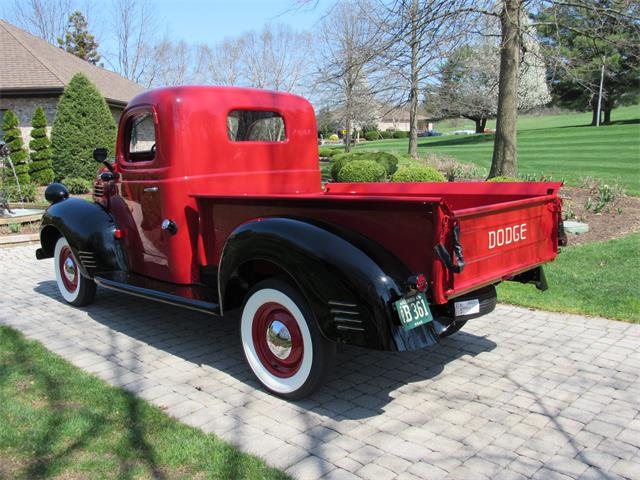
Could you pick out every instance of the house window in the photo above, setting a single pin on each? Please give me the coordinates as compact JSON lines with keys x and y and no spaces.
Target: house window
{"x":255,"y":126}
{"x":141,"y":138}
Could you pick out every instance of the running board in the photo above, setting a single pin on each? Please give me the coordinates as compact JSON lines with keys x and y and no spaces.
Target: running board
{"x":192,"y":297}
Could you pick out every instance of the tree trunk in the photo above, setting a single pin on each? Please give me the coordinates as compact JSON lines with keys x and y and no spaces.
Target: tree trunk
{"x":594,"y":114}
{"x":505,"y":160}
{"x":607,"y":115}
{"x":413,"y":94}
{"x":347,"y":127}
{"x":481,"y":123}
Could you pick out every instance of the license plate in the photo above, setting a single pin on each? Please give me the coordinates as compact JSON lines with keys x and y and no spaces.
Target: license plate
{"x":413,"y":311}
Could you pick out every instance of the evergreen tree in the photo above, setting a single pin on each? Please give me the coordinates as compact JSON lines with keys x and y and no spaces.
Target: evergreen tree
{"x":584,"y":37}
{"x":40,"y":169}
{"x":17,"y":153}
{"x":83,"y":122}
{"x":78,"y":41}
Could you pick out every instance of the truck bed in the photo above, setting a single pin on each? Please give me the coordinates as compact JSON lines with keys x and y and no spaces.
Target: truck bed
{"x":504,"y":228}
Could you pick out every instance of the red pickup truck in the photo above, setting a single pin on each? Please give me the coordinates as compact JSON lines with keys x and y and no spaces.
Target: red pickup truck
{"x":214,"y":202}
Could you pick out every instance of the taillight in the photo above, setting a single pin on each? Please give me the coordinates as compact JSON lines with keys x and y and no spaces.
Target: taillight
{"x":418,"y":282}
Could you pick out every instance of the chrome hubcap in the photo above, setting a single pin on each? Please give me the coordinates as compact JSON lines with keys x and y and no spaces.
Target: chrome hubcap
{"x":69,"y":269}
{"x":279,"y":339}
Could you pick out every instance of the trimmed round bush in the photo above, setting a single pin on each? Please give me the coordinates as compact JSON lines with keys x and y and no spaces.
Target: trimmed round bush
{"x":503,"y":179}
{"x":329,"y":152}
{"x":372,"y":135}
{"x":398,"y":134}
{"x":334,"y":137}
{"x":387,"y":160}
{"x":387,"y":134}
{"x":417,"y":173}
{"x":362,"y":171}
{"x":77,"y":186}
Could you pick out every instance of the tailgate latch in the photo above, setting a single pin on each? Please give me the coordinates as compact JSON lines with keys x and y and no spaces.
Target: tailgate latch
{"x":444,"y":256}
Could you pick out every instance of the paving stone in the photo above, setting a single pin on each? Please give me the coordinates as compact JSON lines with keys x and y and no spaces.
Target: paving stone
{"x":517,"y":394}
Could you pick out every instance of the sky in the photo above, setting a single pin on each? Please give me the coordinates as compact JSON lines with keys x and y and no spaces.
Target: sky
{"x":209,"y":21}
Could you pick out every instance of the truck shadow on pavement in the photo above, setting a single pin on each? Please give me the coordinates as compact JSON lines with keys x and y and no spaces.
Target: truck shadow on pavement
{"x":362,"y":382}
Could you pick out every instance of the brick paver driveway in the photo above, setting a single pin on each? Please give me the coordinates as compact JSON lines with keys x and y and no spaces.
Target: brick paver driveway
{"x":516,"y":394}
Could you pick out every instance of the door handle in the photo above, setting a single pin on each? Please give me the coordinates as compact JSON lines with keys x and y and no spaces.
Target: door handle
{"x":151,"y":189}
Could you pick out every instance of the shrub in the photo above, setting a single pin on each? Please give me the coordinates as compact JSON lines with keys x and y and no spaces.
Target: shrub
{"x":329,"y":152}
{"x":417,"y":173}
{"x":15,"y":227}
{"x":27,"y":192}
{"x":372,"y":135}
{"x":503,"y":179}
{"x":362,"y":171}
{"x":77,"y":186}
{"x":40,"y":170}
{"x":387,"y":160}
{"x":334,"y":137}
{"x":387,"y":134}
{"x":83,"y":122}
{"x":398,"y":134}
{"x":17,"y":153}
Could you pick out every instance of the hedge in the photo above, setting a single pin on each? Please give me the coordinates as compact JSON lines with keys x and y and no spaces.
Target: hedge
{"x":329,"y":152}
{"x":83,"y":122}
{"x":362,"y":171}
{"x":416,"y":173}
{"x":77,"y":186}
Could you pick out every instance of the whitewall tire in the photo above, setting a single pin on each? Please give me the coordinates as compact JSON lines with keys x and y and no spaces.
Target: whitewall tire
{"x":282,"y":343}
{"x":75,"y":288}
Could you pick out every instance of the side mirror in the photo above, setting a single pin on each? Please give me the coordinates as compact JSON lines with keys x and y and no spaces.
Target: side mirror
{"x":100,"y":155}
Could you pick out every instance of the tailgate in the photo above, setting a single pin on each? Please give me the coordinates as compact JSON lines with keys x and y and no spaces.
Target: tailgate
{"x":504,"y":239}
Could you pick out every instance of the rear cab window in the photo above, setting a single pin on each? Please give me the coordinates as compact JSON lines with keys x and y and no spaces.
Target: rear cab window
{"x":140,"y":138}
{"x":255,"y":126}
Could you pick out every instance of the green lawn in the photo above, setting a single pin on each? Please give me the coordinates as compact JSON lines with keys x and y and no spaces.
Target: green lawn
{"x":57,"y":421}
{"x":601,"y":279}
{"x":562,"y":146}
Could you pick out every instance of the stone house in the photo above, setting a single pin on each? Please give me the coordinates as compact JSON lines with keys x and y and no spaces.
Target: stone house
{"x":33,"y":73}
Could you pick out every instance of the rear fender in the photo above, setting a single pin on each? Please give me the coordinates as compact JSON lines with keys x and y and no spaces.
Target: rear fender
{"x":90,"y":233}
{"x":350,"y":293}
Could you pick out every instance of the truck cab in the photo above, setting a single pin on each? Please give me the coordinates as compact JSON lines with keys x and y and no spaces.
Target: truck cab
{"x":214,"y":202}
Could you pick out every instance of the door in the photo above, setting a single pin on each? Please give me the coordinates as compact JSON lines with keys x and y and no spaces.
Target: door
{"x":140,"y":208}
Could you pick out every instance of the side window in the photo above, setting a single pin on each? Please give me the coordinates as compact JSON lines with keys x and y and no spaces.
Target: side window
{"x":255,"y":126}
{"x":141,"y":138}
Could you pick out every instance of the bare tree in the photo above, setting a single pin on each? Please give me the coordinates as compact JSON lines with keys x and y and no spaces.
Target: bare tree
{"x":416,"y":36}
{"x":347,"y":47}
{"x":45,"y":18}
{"x":276,"y":58}
{"x":134,"y":26}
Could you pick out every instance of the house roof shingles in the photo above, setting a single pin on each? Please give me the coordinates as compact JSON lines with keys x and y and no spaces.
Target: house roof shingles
{"x":30,"y":64}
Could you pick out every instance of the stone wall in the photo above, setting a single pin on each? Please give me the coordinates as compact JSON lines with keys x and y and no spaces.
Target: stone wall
{"x":24,"y":108}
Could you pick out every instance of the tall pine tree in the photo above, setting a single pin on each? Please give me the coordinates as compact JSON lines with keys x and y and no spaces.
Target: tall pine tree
{"x":17,"y":153}
{"x":40,"y":169}
{"x":83,"y":122}
{"x":78,"y":41}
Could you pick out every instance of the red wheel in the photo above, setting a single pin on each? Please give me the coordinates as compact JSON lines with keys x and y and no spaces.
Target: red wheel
{"x":282,"y":343}
{"x":73,"y":286}
{"x":277,"y":340}
{"x":69,"y":268}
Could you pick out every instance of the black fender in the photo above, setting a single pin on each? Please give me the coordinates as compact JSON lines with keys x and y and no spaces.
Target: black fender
{"x":349,"y":281}
{"x":89,"y":229}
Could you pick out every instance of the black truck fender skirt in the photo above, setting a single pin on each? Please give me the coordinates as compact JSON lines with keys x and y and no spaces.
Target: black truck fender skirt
{"x":89,"y":229}
{"x":349,"y":282}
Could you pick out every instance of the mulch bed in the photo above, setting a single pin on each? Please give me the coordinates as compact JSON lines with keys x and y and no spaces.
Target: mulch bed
{"x":616,"y":220}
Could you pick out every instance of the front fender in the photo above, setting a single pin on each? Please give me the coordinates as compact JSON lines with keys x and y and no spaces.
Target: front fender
{"x":350,"y":293}
{"x":89,"y":229}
